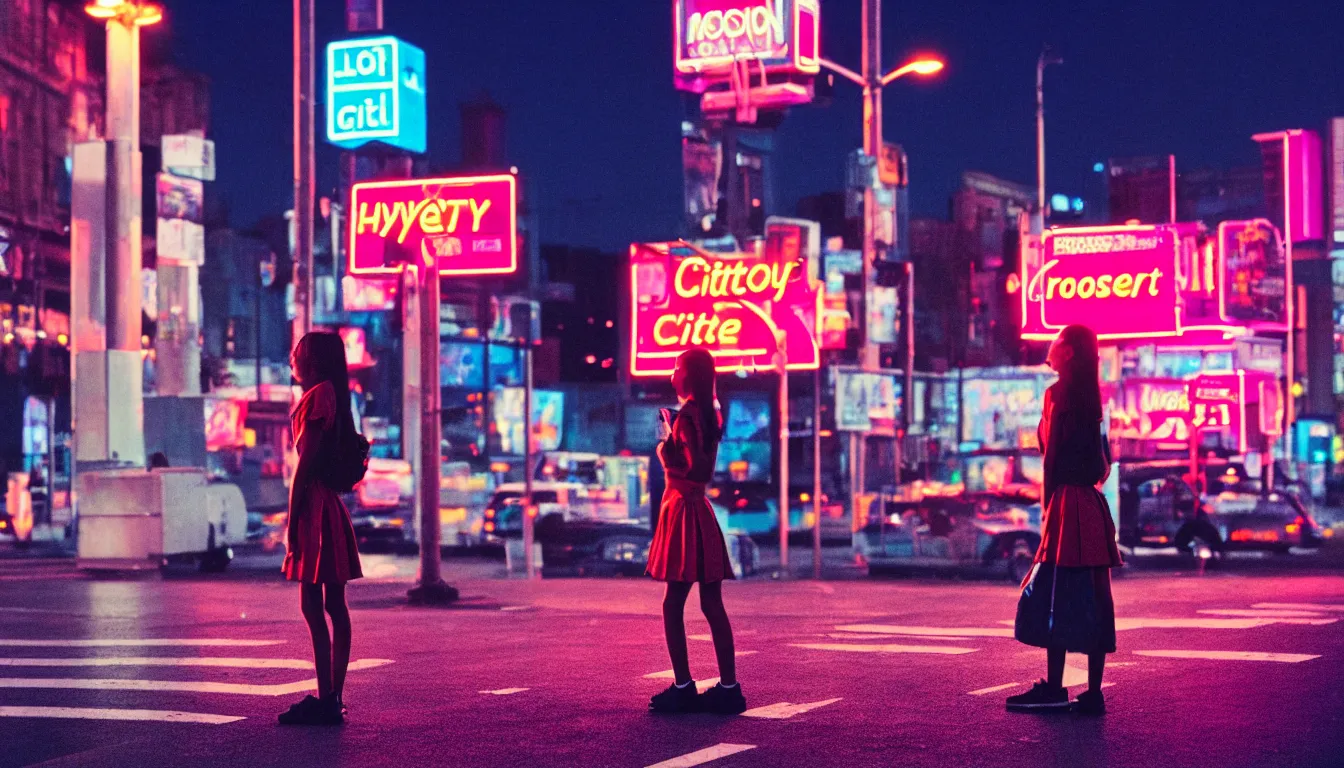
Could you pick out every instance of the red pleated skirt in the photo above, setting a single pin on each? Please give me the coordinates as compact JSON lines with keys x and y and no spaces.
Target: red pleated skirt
{"x":688,"y":544}
{"x":322,"y":546}
{"x":1077,"y":530}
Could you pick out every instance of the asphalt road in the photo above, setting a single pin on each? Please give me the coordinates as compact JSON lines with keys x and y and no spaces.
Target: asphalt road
{"x":1240,"y":667}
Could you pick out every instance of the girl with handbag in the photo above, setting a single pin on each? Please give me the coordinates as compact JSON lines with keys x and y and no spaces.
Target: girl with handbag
{"x":688,"y":547}
{"x":1066,"y":603}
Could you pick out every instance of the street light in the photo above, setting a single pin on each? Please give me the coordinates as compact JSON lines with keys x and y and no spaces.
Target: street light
{"x":127,"y":11}
{"x":1046,"y":58}
{"x":922,"y":67}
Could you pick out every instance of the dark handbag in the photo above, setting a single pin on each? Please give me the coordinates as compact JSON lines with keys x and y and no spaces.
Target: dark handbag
{"x":1058,"y":609}
{"x":345,"y":459}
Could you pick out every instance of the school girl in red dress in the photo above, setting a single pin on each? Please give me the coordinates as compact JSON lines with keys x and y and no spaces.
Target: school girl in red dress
{"x":688,"y":546}
{"x":322,"y":555}
{"x":1066,"y":605}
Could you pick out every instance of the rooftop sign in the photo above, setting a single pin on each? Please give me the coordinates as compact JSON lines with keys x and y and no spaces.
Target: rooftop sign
{"x":709,"y":35}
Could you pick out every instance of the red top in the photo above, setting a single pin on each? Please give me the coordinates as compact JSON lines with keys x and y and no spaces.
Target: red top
{"x":1076,"y":525}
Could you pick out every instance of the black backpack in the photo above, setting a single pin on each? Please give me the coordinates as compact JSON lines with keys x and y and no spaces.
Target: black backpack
{"x":345,"y":459}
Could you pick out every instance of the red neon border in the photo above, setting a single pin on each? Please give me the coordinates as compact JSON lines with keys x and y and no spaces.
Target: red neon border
{"x":455,"y":181}
{"x":796,"y":62}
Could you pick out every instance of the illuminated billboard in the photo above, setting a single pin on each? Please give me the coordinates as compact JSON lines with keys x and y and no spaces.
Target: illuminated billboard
{"x":467,"y":225}
{"x":375,"y":91}
{"x":709,"y":35}
{"x":1254,"y":274}
{"x":1119,"y":281}
{"x":729,"y":303}
{"x":1222,"y":402}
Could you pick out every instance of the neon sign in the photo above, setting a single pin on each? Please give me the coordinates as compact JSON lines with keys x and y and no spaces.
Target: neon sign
{"x":1219,"y":402}
{"x":1120,"y":281}
{"x":731,"y":304}
{"x":1154,"y":409}
{"x":466,"y":225}
{"x":376,"y":92}
{"x":709,"y":35}
{"x":1252,"y":263}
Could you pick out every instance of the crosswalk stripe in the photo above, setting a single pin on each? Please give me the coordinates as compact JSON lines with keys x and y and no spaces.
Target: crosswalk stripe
{"x":702,"y":756}
{"x":135,"y":642}
{"x":891,"y":629}
{"x":992,"y":689}
{"x":667,"y":674}
{"x":187,"y":686}
{"x":1286,"y":658}
{"x":1261,"y":613}
{"x":886,"y":648}
{"x":1301,"y":606}
{"x":189,"y":661}
{"x":784,"y":710}
{"x":505,"y":691}
{"x":150,"y":715}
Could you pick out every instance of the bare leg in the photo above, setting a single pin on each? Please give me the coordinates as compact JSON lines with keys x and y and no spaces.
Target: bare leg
{"x":1054,"y":667}
{"x":340,"y":636}
{"x":311,"y":603}
{"x":1096,"y":666}
{"x":674,"y":628}
{"x":711,"y":603}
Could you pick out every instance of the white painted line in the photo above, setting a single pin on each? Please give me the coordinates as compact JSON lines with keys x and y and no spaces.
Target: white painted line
{"x":886,"y":648}
{"x":506,"y":691}
{"x":143,"y":715}
{"x":1130,"y":622}
{"x":1286,"y":658}
{"x":188,"y":661}
{"x":784,"y":710}
{"x":702,"y":756}
{"x":1257,"y":613}
{"x":707,"y":638}
{"x":188,"y":686}
{"x":1305,"y":622}
{"x":889,"y":629}
{"x":740,"y":654}
{"x":134,"y":642}
{"x":1301,"y":606}
{"x":1074,"y":676}
{"x":516,"y":608}
{"x":993,"y":689}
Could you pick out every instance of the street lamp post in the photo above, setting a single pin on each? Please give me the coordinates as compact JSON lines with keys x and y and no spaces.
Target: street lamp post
{"x":872,"y":81}
{"x":1046,"y":58}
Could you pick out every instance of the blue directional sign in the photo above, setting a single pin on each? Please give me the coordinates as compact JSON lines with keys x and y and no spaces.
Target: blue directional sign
{"x":376,"y":92}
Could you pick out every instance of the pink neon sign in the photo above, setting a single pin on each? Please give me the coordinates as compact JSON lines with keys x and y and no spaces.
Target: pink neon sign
{"x":731,"y":304}
{"x":709,"y":35}
{"x":1154,"y":409}
{"x":1120,"y":281}
{"x":467,"y":225}
{"x":1254,"y":273}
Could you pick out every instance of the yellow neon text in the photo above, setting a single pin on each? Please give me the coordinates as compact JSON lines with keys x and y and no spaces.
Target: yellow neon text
{"x":432,"y":216}
{"x":1127,"y":285}
{"x":695,"y":328}
{"x":696,"y":277}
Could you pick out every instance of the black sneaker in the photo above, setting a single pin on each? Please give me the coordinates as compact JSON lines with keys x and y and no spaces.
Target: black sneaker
{"x":1042,"y":697}
{"x":723,"y":701}
{"x":333,"y":710}
{"x":309,"y":711}
{"x":676,"y":700}
{"x":1090,"y":703}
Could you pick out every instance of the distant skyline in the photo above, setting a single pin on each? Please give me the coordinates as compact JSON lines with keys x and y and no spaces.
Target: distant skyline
{"x":593,"y":119}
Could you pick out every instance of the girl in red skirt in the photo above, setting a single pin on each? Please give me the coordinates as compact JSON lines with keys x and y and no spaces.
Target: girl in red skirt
{"x":1066,"y":603}
{"x":321,"y":540}
{"x":688,"y":546}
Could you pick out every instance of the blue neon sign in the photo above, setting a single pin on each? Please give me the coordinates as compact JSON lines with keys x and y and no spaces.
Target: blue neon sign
{"x":376,"y":92}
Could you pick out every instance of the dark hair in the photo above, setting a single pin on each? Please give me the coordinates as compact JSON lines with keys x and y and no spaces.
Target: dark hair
{"x":1079,"y":387}
{"x":700,"y":382}
{"x":322,"y":354}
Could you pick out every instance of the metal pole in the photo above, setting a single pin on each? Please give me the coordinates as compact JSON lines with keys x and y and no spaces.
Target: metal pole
{"x":782,"y":369}
{"x":816,"y":473}
{"x":872,"y":145}
{"x":256,"y":322}
{"x":303,"y":167}
{"x":529,"y":530}
{"x":908,"y":319}
{"x":431,"y":588}
{"x":1040,"y":134}
{"x":1290,"y":307}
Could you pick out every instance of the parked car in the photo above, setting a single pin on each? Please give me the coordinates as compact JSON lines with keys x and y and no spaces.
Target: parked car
{"x":575,"y":545}
{"x":985,"y":531}
{"x":753,"y":508}
{"x":503,"y":513}
{"x":1274,"y":522}
{"x":1159,"y":509}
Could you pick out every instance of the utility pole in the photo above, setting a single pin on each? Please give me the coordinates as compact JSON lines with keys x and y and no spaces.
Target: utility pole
{"x":872,"y":145}
{"x":529,"y":508}
{"x":782,"y":367}
{"x":817,"y":380}
{"x":431,"y":587}
{"x":1044,"y":60}
{"x":304,"y":186}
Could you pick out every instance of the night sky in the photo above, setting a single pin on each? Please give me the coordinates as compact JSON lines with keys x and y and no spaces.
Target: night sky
{"x":594,"y":119}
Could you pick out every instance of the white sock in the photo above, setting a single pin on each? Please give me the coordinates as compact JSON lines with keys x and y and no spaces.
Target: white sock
{"x":683,"y":685}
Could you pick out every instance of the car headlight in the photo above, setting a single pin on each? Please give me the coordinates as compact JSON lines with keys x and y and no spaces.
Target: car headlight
{"x":625,"y":552}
